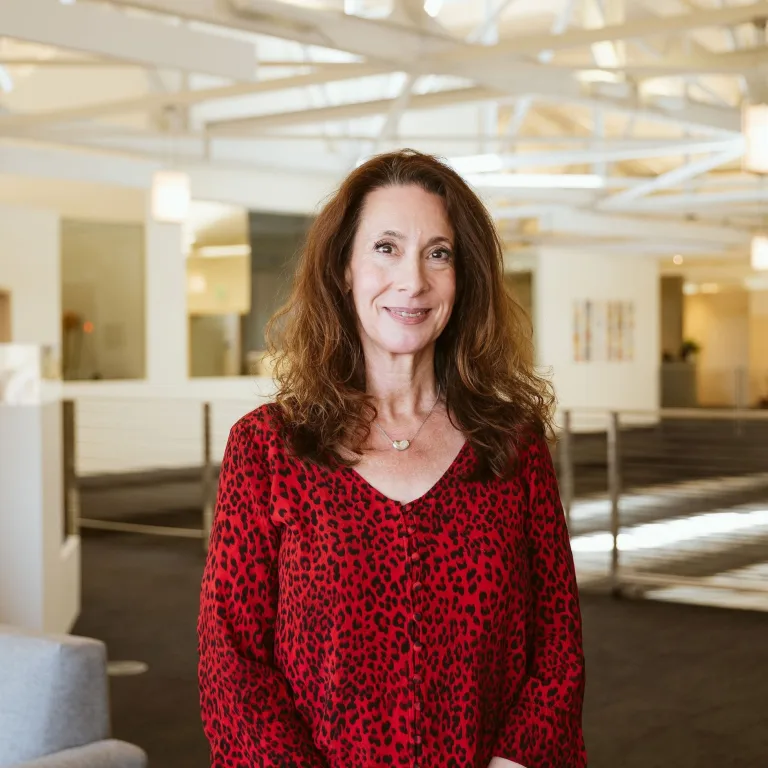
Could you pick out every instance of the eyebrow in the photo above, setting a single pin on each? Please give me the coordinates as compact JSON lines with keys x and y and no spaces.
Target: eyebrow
{"x":432,"y":241}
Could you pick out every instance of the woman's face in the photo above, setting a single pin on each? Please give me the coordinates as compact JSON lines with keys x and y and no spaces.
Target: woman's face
{"x":402,"y":271}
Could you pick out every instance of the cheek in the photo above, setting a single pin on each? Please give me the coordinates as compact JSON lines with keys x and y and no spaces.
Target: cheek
{"x":368,"y":284}
{"x":448,"y":289}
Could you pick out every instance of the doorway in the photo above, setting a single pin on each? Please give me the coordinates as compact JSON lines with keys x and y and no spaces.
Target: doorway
{"x":5,"y":317}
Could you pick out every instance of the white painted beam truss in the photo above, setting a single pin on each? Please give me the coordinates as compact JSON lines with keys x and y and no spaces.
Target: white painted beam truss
{"x":14,"y":122}
{"x":104,"y":31}
{"x":518,"y":69}
{"x":418,"y":51}
{"x":674,"y":177}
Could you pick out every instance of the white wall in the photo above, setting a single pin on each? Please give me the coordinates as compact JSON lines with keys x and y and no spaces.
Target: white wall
{"x":563,"y":277}
{"x":137,"y":426}
{"x":29,"y":269}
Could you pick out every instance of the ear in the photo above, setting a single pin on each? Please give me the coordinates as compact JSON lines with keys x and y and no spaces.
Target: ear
{"x":348,"y":280}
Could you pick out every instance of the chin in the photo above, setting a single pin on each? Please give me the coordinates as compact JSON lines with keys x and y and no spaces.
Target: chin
{"x":404,"y":346}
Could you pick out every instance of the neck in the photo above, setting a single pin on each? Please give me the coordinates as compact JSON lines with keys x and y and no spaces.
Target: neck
{"x":402,"y":386}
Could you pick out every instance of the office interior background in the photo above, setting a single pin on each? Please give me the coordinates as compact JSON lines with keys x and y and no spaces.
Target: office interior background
{"x":160,"y":163}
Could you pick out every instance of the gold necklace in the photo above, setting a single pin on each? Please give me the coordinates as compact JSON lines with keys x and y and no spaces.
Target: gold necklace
{"x":404,"y":445}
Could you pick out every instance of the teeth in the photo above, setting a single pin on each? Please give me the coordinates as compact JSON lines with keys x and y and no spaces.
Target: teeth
{"x":419,"y":313}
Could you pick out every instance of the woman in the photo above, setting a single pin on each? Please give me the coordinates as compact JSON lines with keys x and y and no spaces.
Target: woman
{"x":390,"y":581}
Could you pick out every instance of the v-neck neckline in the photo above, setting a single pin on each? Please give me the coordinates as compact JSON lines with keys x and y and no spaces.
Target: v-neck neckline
{"x":381,"y":496}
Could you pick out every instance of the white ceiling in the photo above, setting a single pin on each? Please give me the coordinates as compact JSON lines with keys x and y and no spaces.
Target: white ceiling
{"x":642,"y":95}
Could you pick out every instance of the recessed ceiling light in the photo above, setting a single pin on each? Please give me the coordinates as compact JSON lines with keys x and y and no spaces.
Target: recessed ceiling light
{"x":677,"y":259}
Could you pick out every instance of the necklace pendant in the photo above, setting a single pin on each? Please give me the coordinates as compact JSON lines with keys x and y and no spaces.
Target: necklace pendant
{"x":401,"y":445}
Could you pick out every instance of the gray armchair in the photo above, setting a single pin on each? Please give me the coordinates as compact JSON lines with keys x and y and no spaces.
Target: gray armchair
{"x":54,"y":704}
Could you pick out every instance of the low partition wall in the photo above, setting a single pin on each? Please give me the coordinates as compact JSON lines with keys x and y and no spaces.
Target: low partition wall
{"x":136,"y":426}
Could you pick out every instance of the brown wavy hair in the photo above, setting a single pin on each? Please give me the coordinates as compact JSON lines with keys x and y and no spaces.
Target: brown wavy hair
{"x":483,"y":358}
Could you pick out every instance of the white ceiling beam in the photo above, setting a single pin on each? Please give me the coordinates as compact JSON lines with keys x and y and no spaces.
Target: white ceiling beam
{"x":608,"y":152}
{"x":287,"y":191}
{"x":694,"y":202}
{"x":103,"y":63}
{"x":604,"y":225}
{"x":611,"y":149}
{"x":104,"y":31}
{"x":674,"y":177}
{"x":349,"y":111}
{"x":675,"y":111}
{"x":16,"y":122}
{"x":309,"y":26}
{"x":665,"y":247}
{"x":726,"y":63}
{"x":222,"y":14}
{"x":61,"y":62}
{"x":415,"y":51}
{"x":522,"y":45}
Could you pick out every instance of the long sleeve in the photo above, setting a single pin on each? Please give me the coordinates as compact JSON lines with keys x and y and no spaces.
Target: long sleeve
{"x":542,"y":728}
{"x":248,"y":712}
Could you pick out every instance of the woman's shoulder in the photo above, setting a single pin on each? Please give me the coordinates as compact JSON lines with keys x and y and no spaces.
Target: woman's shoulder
{"x":531,"y":449}
{"x":263,"y":427}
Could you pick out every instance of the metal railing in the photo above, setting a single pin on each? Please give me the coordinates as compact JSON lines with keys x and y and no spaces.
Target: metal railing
{"x":144,"y":466}
{"x":655,"y":500}
{"x":669,"y":501}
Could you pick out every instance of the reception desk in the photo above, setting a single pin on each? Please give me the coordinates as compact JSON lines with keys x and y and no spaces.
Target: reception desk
{"x":678,"y":385}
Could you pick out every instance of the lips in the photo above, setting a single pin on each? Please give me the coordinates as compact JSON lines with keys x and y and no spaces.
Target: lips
{"x":411,"y":312}
{"x":408,"y":315}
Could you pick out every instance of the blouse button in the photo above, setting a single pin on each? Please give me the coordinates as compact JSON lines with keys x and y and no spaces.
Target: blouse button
{"x":411,"y":530}
{"x":417,"y":646}
{"x":417,"y":616}
{"x":415,"y":557}
{"x":416,"y":678}
{"x":417,"y":586}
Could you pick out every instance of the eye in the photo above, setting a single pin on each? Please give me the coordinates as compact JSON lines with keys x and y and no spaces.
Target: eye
{"x":442,"y":254}
{"x":384,"y":246}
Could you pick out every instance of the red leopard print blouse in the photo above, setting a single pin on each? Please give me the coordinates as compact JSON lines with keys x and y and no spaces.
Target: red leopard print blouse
{"x":341,"y":629}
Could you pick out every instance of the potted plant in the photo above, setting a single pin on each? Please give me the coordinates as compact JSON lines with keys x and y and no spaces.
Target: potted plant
{"x":689,"y":349}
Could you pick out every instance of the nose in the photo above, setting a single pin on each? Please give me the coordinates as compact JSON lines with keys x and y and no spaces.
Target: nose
{"x":411,"y":277}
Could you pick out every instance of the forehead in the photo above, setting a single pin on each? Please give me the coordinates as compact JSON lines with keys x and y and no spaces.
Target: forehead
{"x":408,"y":209}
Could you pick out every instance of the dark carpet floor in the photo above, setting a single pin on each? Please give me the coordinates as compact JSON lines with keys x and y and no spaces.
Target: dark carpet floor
{"x":668,"y":686}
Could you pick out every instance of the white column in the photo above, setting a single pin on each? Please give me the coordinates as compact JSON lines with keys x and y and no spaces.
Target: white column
{"x":166,"y":303}
{"x":39,"y":565}
{"x":30,"y":273}
{"x":563,"y":279}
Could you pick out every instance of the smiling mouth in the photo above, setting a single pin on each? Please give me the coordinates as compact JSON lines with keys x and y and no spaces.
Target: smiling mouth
{"x":407,"y":313}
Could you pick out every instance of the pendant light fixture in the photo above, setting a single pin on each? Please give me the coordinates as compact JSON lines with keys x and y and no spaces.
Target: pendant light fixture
{"x":171,"y":196}
{"x":759,"y":255}
{"x":759,"y":246}
{"x":755,"y":123}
